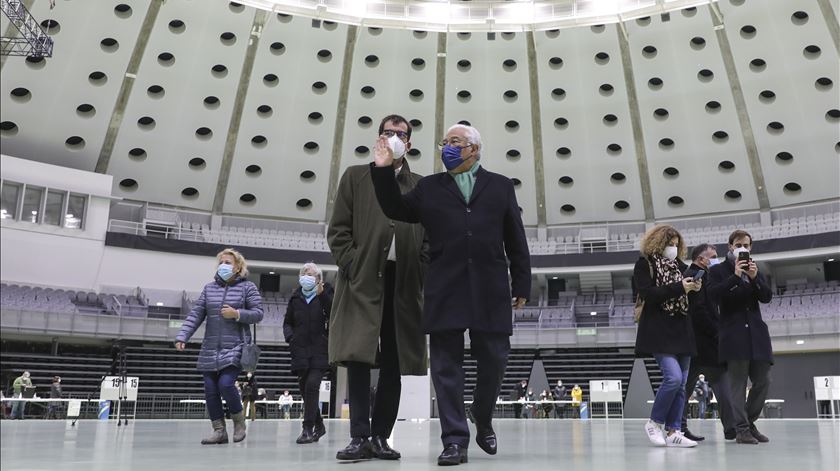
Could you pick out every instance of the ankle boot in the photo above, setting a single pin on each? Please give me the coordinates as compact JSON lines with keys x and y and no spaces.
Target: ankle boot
{"x":219,"y":434}
{"x":238,"y":427}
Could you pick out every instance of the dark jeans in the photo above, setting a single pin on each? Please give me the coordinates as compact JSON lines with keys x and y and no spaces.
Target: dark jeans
{"x":746,"y":411}
{"x":218,"y":385}
{"x":490,"y":350}
{"x":386,"y":402}
{"x":719,"y":382}
{"x":670,"y":398}
{"x":310,"y":386}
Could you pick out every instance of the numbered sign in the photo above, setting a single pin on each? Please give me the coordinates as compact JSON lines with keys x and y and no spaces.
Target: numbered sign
{"x":826,"y":388}
{"x":113,"y":389}
{"x":605,"y":390}
{"x":324,"y":392}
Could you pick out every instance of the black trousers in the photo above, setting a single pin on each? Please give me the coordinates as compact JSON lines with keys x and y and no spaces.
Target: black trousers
{"x":310,"y":386}
{"x":745,"y":411}
{"x":719,"y":381}
{"x":490,"y":350}
{"x":386,"y":402}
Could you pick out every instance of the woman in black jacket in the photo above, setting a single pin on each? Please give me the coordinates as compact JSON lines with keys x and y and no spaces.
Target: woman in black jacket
{"x":665,"y":330}
{"x":305,"y":329}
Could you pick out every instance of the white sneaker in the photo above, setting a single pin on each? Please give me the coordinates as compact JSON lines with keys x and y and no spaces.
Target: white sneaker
{"x":678,"y":440}
{"x":655,"y":433}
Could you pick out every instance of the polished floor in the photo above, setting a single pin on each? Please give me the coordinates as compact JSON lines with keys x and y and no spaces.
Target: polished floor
{"x":615,"y":445}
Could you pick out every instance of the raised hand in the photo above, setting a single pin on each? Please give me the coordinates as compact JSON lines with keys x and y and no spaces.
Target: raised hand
{"x":383,"y":156}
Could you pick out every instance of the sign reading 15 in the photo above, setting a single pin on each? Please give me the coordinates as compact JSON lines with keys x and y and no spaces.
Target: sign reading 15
{"x":115,"y":383}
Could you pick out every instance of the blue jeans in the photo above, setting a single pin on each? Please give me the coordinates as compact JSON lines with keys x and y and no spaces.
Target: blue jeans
{"x":218,"y":385}
{"x":670,"y":398}
{"x":18,"y":407}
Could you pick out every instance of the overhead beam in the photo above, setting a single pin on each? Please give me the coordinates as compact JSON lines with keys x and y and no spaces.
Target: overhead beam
{"x":341,"y":117}
{"x":125,"y":88}
{"x":536,"y":127}
{"x":740,"y":107}
{"x":260,"y":17}
{"x":636,"y":122}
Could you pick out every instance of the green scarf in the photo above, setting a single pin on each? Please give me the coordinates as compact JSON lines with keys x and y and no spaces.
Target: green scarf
{"x":466,"y":181}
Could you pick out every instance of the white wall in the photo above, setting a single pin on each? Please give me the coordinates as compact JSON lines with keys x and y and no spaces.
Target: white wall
{"x":155,"y":270}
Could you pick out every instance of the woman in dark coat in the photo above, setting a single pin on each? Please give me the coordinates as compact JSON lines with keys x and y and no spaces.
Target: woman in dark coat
{"x":665,"y":330}
{"x":305,"y":330}
{"x":227,"y":306}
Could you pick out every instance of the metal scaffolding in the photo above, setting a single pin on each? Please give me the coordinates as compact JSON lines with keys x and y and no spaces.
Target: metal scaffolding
{"x":33,"y":40}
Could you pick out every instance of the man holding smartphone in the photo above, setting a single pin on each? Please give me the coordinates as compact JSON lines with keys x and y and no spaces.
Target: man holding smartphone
{"x":705,"y":320}
{"x":744,"y":341}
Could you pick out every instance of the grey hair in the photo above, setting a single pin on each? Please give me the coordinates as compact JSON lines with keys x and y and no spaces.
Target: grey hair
{"x":472,"y":135}
{"x":313,"y":267}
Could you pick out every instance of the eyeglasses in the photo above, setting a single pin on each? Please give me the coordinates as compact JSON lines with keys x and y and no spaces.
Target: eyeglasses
{"x":390,"y":132}
{"x":454,"y":142}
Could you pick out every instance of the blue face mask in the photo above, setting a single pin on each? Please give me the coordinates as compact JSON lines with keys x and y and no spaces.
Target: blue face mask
{"x":451,"y":157}
{"x":225,"y":271}
{"x":307,"y":283}
{"x":713,"y":262}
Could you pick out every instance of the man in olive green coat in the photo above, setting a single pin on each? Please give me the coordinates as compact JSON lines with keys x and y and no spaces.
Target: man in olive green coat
{"x":375,"y":320}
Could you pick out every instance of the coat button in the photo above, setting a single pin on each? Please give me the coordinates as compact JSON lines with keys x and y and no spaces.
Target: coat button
{"x":469,"y":233}
{"x":746,"y":325}
{"x":379,"y":274}
{"x":469,"y":210}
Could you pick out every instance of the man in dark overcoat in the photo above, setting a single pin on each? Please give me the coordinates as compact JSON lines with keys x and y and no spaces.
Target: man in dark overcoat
{"x":476,"y":237}
{"x":377,"y":309}
{"x":744,"y":340}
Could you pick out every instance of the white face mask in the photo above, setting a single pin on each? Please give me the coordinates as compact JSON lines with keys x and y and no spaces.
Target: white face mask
{"x":670,"y":252}
{"x":397,"y":146}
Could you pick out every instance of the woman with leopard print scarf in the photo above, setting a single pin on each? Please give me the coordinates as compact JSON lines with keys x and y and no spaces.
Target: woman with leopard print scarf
{"x":665,"y":332}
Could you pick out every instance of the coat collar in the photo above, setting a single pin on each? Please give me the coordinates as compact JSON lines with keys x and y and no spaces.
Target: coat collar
{"x":482,"y":178}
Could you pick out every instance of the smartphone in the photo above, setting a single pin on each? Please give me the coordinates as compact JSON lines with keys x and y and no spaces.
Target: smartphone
{"x":743,"y":257}
{"x":699,"y":275}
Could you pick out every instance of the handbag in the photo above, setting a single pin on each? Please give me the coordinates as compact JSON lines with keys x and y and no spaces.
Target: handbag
{"x":250,"y":354}
{"x":640,"y":303}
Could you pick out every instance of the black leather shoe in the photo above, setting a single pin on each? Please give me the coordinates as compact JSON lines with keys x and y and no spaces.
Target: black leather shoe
{"x":358,"y":449}
{"x":485,"y":437}
{"x":306,"y":436}
{"x":758,"y":435}
{"x":729,"y":434}
{"x":319,"y":430}
{"x":382,"y":450}
{"x":697,"y":438}
{"x":452,"y":455}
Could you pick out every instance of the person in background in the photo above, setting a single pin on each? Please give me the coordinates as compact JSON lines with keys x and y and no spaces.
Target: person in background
{"x":701,"y":393}
{"x":19,"y":407}
{"x":55,"y":393}
{"x":705,"y":321}
{"x":547,"y":406}
{"x":665,"y":330}
{"x":744,"y":340}
{"x":261,"y":408}
{"x":378,"y":305}
{"x":305,"y":330}
{"x":559,"y":395}
{"x":529,"y":407}
{"x":229,"y":305}
{"x":519,"y":392}
{"x":577,"y":399}
{"x":249,"y":395}
{"x":285,"y":402}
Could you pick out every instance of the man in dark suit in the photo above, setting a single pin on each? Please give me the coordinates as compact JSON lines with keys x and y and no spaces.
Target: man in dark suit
{"x":744,"y":341}
{"x":474,"y":228}
{"x":705,"y":320}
